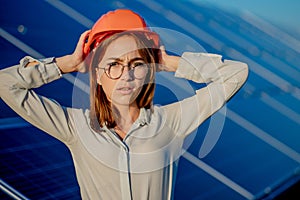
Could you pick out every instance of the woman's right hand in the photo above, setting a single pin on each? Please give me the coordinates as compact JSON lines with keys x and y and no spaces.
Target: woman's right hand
{"x":75,"y":61}
{"x":169,"y":63}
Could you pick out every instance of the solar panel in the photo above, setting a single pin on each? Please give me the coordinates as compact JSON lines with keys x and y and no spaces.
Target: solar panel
{"x":257,"y":155}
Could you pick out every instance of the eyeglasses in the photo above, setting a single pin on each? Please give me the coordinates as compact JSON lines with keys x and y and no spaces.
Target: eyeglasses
{"x":137,"y":69}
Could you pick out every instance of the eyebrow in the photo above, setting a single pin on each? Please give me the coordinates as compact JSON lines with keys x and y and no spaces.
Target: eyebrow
{"x":120,"y":60}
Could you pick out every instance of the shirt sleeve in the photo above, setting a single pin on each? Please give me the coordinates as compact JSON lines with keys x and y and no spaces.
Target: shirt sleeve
{"x":222,"y":78}
{"x":16,"y":85}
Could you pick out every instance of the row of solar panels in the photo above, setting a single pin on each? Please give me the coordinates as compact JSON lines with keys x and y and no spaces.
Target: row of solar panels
{"x":262,"y":120}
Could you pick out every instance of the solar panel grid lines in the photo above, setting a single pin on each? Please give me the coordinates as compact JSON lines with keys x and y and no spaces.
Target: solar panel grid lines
{"x":272,"y":30}
{"x":264,"y":136}
{"x":239,"y":55}
{"x":71,"y":13}
{"x":272,"y":81}
{"x":273,"y":102}
{"x":39,"y":169}
{"x":196,"y":161}
{"x":274,"y":62}
{"x":47,"y":173}
{"x":227,"y":32}
{"x":7,"y":192}
{"x":270,"y":99}
{"x":254,"y":66}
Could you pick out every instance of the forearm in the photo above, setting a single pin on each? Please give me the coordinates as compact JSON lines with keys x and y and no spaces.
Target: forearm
{"x":223,"y":80}
{"x":30,"y":73}
{"x":171,"y":63}
{"x":67,"y":64}
{"x":209,"y":68}
{"x":16,"y":85}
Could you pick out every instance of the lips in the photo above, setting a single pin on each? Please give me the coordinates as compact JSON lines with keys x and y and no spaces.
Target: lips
{"x":125,"y":90}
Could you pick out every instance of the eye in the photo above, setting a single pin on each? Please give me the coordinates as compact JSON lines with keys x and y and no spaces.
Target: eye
{"x":113,"y":64}
{"x":137,"y":64}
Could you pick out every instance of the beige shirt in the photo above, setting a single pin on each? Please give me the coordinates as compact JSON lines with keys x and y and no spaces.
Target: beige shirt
{"x":143,"y":165}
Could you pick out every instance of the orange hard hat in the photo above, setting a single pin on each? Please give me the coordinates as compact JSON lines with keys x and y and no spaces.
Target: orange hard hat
{"x":114,"y":22}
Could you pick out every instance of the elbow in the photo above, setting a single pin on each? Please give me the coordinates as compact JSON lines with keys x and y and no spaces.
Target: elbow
{"x":2,"y":82}
{"x":7,"y":82}
{"x":245,"y":72}
{"x":241,"y":74}
{"x":245,"y":66}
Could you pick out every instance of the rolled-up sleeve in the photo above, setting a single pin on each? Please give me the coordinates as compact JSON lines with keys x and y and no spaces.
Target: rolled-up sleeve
{"x":222,"y":78}
{"x":16,"y":90}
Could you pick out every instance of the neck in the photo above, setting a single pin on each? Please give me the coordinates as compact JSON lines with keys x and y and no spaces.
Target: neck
{"x":126,"y":116}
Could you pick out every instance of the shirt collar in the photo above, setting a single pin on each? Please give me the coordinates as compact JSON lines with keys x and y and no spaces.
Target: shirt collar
{"x":144,"y":117}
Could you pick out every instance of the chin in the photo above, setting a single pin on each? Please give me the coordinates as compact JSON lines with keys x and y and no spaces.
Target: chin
{"x":123,"y":101}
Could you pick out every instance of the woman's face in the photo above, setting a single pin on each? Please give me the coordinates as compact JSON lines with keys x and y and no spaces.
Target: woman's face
{"x":123,"y":90}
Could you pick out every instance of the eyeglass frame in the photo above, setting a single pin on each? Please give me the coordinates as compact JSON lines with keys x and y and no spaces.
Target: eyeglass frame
{"x":107,"y":69}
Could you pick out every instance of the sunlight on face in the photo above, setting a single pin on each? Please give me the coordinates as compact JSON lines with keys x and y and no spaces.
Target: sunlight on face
{"x":124,"y":90}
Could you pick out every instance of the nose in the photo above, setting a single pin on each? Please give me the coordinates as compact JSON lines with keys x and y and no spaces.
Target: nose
{"x":127,"y":74}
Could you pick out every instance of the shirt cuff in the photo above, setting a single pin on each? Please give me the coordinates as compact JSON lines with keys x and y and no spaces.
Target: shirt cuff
{"x":45,"y":71}
{"x":198,"y":67}
{"x":50,"y":65}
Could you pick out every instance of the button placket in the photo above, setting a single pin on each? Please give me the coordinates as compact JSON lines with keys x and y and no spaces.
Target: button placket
{"x":124,"y":172}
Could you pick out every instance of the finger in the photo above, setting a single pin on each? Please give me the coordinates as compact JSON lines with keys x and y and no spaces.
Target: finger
{"x":80,"y":44}
{"x":84,"y":36}
{"x":163,"y":55}
{"x":82,"y":67}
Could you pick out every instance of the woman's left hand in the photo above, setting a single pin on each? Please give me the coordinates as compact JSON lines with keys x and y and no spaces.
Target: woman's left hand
{"x":168,"y":63}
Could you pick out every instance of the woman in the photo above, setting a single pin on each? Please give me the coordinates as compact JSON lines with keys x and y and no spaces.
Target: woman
{"x":123,"y":147}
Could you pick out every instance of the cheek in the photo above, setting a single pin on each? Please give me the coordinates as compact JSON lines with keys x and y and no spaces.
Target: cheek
{"x":140,"y":83}
{"x":108,"y":86}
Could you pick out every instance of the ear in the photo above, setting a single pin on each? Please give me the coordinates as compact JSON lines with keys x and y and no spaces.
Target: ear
{"x":98,"y":76}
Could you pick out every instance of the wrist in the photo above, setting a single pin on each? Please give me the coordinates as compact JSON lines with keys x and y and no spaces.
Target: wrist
{"x":172,"y":63}
{"x":64,"y":63}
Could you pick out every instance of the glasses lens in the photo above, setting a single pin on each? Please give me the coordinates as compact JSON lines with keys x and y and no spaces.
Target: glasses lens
{"x":140,"y":70}
{"x":115,"y":70}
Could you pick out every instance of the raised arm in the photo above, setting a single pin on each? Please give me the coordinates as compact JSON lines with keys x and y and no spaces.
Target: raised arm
{"x":17,"y":82}
{"x":223,"y":79}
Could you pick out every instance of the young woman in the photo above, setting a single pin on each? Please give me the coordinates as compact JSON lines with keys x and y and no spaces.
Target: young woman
{"x":123,"y":147}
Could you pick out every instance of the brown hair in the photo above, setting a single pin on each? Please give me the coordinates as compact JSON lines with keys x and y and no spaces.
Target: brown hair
{"x":101,"y":110}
